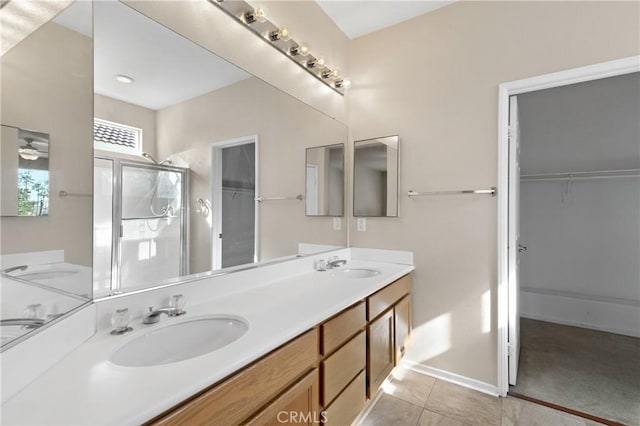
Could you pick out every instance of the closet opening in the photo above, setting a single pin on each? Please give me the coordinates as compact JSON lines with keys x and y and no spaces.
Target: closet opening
{"x":234,"y":183}
{"x":569,"y":291}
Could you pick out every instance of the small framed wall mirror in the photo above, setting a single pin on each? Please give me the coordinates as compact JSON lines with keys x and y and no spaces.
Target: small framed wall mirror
{"x":25,"y":172}
{"x":325,"y":180}
{"x":375,"y":177}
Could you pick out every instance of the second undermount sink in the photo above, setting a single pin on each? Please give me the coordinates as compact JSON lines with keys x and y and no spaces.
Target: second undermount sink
{"x":356,"y":273}
{"x":180,"y":341}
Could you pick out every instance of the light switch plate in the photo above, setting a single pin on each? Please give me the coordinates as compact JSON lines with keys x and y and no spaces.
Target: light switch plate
{"x":361,"y":224}
{"x":337,"y":223}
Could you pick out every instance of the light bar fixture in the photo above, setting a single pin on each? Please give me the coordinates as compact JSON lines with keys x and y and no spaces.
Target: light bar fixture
{"x":255,"y":19}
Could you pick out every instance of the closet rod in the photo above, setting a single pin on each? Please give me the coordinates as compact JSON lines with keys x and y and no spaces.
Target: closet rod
{"x":297,"y":197}
{"x":600,"y":174}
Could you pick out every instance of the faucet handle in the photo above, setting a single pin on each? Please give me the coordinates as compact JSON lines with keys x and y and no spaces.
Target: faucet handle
{"x":120,"y":320}
{"x":320,"y":265}
{"x":178,"y":303}
{"x":35,"y":310}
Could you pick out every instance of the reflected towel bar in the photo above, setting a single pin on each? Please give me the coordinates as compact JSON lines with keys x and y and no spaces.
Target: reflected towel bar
{"x":491,"y":192}
{"x":261,"y":199}
{"x":63,"y":194}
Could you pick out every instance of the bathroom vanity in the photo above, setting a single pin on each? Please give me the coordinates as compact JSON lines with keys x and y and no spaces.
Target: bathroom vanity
{"x":316,"y":342}
{"x":324,"y":375}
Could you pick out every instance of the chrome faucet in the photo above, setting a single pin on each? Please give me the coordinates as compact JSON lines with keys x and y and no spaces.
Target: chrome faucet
{"x":25,"y":322}
{"x":174,"y":309}
{"x":14,"y":268}
{"x":334,"y":262}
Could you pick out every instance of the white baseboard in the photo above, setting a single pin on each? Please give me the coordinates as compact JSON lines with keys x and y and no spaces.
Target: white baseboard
{"x":604,"y":314}
{"x":457,"y":379}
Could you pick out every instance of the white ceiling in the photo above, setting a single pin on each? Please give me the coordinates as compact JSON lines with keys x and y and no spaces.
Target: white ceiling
{"x":167,"y":68}
{"x":357,"y":18}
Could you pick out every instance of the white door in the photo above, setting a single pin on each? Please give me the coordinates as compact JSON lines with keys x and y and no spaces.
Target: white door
{"x":514,"y":240}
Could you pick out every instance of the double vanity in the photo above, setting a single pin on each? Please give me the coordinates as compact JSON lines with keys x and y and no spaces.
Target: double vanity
{"x":281,"y":337}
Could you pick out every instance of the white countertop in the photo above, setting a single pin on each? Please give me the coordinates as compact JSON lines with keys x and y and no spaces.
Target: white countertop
{"x":86,"y":388}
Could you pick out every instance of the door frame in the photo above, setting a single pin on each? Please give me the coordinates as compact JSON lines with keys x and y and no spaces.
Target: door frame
{"x":216,"y":196}
{"x":506,"y":286}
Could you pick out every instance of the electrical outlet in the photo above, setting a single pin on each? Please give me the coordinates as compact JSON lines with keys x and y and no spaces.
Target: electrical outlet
{"x":337,"y":223}
{"x":361,"y":224}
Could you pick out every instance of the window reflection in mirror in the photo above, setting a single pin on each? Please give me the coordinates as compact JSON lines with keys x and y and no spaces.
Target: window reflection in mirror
{"x":375,"y":177}
{"x":25,"y":172}
{"x":325,"y":180}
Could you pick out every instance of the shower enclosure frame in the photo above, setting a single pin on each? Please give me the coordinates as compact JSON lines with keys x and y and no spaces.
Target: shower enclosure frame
{"x":118,"y":166}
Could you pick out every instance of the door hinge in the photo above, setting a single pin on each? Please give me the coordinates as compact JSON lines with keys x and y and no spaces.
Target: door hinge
{"x":509,"y":349}
{"x":219,"y":235}
{"x":121,"y":231}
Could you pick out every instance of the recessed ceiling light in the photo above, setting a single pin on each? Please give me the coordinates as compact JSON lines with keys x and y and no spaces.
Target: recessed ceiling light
{"x":124,"y":79}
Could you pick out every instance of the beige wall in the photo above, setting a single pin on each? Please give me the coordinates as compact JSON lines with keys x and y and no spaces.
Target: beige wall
{"x":434,"y":81}
{"x":121,"y":112}
{"x":285,"y":127}
{"x":47,"y":85}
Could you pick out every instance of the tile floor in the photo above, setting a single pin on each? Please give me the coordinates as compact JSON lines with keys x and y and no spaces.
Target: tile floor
{"x":414,"y":399}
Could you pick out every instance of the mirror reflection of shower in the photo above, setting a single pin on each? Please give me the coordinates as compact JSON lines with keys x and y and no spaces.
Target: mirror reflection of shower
{"x":140,"y":220}
{"x":166,"y":210}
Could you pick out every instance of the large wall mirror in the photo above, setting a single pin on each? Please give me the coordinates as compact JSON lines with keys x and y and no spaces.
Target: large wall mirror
{"x":324,"y":181}
{"x":46,"y":169}
{"x":196,"y":165}
{"x":375,"y":177}
{"x":211,"y":176}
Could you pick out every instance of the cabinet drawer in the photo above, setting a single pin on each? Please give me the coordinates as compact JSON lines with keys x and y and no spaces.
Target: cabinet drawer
{"x":338,"y":329}
{"x":348,"y":405}
{"x":385,"y":298}
{"x":341,"y":367}
{"x":235,"y":399}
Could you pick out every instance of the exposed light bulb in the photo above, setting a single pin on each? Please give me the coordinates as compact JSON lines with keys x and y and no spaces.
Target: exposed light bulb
{"x":281,"y":34}
{"x":335,"y":74}
{"x":256,"y":14}
{"x":344,"y":83}
{"x":304,"y":49}
{"x":316,"y":62}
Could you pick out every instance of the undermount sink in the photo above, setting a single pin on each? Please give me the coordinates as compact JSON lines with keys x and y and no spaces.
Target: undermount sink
{"x":180,"y":341}
{"x":356,"y":273}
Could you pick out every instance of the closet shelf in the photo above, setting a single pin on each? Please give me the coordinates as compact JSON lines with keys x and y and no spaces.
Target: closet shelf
{"x":597,"y":174}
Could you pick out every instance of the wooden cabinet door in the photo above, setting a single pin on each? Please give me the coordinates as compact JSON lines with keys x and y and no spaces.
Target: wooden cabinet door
{"x":402,"y":324}
{"x":299,"y":405}
{"x":380,"y":351}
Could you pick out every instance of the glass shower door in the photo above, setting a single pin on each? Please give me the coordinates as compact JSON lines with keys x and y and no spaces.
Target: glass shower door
{"x":152,"y":225}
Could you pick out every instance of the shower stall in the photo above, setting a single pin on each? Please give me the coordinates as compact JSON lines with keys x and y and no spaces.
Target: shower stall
{"x":140,"y":224}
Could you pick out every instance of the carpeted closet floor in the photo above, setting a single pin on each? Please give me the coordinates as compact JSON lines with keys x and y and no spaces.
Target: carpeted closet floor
{"x":591,"y":371}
